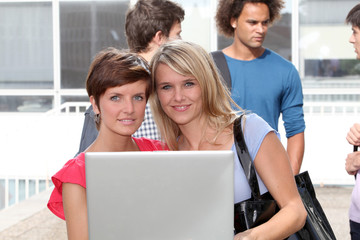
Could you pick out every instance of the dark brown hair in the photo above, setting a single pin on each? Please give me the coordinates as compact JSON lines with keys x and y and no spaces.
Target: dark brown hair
{"x":111,"y":68}
{"x":229,"y":9}
{"x":353,"y":16}
{"x":146,"y":18}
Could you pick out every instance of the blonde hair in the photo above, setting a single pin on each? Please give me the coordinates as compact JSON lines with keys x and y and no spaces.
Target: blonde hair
{"x":190,"y":59}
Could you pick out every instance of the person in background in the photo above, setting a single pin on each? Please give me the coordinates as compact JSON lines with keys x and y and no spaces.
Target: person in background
{"x":118,"y":84}
{"x":352,"y":164}
{"x":148,"y":24}
{"x":261,"y":80}
{"x":193,"y":111}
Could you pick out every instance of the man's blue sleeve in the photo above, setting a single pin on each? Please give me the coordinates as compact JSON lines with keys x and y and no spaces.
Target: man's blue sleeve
{"x":292,"y":105}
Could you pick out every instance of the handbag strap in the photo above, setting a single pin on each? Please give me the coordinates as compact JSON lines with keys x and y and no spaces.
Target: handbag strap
{"x":245,"y":159}
{"x":355,"y":150}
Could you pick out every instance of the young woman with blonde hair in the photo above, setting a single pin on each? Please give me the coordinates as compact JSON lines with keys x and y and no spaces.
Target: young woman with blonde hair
{"x":194,"y":111}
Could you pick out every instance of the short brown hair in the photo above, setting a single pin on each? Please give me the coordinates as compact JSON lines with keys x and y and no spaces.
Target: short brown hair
{"x":229,"y":9}
{"x":146,"y":18}
{"x":353,"y":16}
{"x":111,"y":68}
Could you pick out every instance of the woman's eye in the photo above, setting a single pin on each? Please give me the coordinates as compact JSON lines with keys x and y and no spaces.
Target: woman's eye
{"x":139,"y":98}
{"x":114,"y":98}
{"x":165,"y":87}
{"x":189,"y":84}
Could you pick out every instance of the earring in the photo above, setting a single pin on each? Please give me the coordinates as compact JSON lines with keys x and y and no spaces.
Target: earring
{"x":97,"y":118}
{"x":234,"y":26}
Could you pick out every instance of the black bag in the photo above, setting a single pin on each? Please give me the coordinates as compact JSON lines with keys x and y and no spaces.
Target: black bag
{"x":259,"y":209}
{"x":317,"y":226}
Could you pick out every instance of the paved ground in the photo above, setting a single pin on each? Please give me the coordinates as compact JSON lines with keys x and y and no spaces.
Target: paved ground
{"x":39,"y":223}
{"x":335,"y":202}
{"x":31,"y":220}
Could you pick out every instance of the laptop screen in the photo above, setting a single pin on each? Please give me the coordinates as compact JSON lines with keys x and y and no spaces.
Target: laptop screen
{"x":160,"y":195}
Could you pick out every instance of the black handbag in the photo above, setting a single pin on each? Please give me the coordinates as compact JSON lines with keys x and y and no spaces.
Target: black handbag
{"x":317,"y":226}
{"x":260,"y":208}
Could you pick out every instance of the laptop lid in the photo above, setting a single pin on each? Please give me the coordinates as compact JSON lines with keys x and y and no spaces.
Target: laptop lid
{"x":160,"y":195}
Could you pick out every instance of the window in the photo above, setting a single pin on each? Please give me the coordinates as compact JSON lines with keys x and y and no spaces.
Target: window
{"x":326,"y":56}
{"x":85,"y":29}
{"x":26,"y":46}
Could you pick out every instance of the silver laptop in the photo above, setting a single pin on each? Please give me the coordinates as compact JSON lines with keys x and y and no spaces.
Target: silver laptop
{"x":165,"y":195}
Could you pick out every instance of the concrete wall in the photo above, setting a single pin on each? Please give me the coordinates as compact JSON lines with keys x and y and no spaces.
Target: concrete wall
{"x":37,"y":145}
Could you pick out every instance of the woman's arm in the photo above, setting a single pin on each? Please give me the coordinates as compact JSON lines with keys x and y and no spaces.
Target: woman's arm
{"x":75,"y":210}
{"x":273,"y":166}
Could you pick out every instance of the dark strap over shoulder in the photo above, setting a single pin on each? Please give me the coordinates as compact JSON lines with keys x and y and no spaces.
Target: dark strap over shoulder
{"x":220,"y":61}
{"x":245,"y":159}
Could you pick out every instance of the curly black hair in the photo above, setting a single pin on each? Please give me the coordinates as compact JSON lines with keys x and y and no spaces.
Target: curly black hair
{"x":229,"y":9}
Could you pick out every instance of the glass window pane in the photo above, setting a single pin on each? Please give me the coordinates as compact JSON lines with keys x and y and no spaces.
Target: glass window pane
{"x":32,"y":187}
{"x":26,"y":45}
{"x":25,"y":103}
{"x":75,"y":99}
{"x":22,"y":194}
{"x":326,"y":58}
{"x":332,"y":11}
{"x":12,"y":194}
{"x":85,"y":29}
{"x":331,"y":67}
{"x":278,"y":37}
{"x":327,"y":109}
{"x":316,"y":109}
{"x":339,"y":109}
{"x":196,"y":26}
{"x":2,"y":193}
{"x":42,"y":185}
{"x":76,"y":103}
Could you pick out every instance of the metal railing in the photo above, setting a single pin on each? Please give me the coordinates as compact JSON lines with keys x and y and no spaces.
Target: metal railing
{"x":331,"y":108}
{"x":69,"y":108}
{"x":16,"y":189}
{"x":324,"y":108}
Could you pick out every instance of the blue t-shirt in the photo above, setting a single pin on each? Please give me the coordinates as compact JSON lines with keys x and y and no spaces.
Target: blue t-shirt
{"x":269,"y":85}
{"x":255,"y":129}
